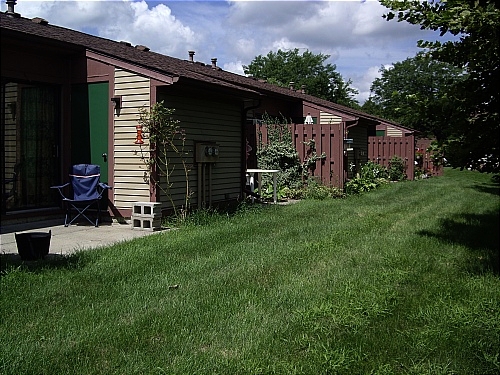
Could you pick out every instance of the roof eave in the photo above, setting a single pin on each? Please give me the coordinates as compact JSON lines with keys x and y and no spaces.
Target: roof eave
{"x":162,"y":77}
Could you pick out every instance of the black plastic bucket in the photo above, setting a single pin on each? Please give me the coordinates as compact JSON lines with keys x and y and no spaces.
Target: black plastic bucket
{"x":33,"y":245}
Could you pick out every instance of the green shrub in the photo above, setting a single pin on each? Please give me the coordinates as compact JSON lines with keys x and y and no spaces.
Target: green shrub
{"x":373,"y":171}
{"x":313,"y":189}
{"x":397,"y":169}
{"x":358,"y":185}
{"x":370,"y":177}
{"x":279,"y":153}
{"x":282,"y":157}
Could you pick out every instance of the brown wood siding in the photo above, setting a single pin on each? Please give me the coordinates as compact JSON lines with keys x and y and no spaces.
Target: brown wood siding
{"x":207,"y":119}
{"x":128,"y":170}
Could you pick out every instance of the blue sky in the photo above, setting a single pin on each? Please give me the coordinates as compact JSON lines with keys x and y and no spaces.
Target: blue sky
{"x":353,"y":33}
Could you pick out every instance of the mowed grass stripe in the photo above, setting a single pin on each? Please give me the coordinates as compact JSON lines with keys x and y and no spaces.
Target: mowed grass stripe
{"x":403,"y":279}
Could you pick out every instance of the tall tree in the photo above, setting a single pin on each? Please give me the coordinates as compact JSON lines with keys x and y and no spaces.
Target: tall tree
{"x":418,"y":93}
{"x":473,"y":143}
{"x":309,"y":69}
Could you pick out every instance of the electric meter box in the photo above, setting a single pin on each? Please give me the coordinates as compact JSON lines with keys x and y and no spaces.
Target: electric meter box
{"x":207,"y":152}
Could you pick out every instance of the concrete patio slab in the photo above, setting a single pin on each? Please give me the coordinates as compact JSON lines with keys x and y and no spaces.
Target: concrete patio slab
{"x":65,"y":240}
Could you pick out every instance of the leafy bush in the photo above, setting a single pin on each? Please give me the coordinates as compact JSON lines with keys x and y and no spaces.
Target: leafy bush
{"x":397,"y":169}
{"x":279,"y":153}
{"x":372,"y":171}
{"x":370,"y":177}
{"x":313,"y":189}
{"x":436,"y":153}
{"x":359,"y":185}
{"x":420,"y":173}
{"x":282,"y":157}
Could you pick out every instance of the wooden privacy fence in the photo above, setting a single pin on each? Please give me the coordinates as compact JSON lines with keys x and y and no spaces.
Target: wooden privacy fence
{"x":382,"y":149}
{"x":413,"y":152}
{"x":327,"y":139}
{"x":424,"y":160}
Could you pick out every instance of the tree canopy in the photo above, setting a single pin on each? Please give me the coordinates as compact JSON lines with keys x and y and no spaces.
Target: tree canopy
{"x":474,"y":142}
{"x":418,"y":93}
{"x":308,"y":69}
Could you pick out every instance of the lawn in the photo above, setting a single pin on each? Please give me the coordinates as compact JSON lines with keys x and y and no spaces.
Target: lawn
{"x":401,"y":280}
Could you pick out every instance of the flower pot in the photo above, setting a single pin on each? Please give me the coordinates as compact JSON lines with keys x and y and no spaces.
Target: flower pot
{"x":33,"y":245}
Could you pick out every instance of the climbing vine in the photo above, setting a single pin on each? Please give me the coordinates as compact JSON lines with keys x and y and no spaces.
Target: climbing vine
{"x":278,"y":153}
{"x":165,"y":153}
{"x":309,"y":163}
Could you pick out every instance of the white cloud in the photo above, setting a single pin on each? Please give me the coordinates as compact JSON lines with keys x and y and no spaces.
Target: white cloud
{"x":364,"y":82}
{"x":131,"y":21}
{"x":160,"y":28}
{"x":234,"y":67}
{"x":352,"y":32}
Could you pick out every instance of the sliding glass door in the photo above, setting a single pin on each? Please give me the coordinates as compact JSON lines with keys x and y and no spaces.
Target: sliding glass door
{"x":30,"y":162}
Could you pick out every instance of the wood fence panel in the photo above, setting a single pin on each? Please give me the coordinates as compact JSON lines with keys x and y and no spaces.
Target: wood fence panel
{"x":424,"y":159}
{"x":328,"y":139}
{"x":334,"y":162}
{"x":382,"y":149}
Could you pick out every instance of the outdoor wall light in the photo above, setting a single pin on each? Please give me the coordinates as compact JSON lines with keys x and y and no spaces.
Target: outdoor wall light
{"x":117,"y":101}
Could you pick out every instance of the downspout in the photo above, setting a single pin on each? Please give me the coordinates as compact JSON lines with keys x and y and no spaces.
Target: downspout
{"x":354,"y":123}
{"x":244,"y":144}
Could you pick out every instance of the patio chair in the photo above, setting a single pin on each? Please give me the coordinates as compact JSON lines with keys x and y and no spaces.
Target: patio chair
{"x":86,"y":191}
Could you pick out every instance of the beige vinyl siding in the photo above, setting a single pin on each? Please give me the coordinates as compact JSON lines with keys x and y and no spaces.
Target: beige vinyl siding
{"x":10,"y":133}
{"x":328,"y":118}
{"x":206,"y":119}
{"x":128,"y":184}
{"x":393,"y":132}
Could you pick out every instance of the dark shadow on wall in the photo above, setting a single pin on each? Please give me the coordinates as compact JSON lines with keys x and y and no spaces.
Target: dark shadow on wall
{"x":479,"y":233}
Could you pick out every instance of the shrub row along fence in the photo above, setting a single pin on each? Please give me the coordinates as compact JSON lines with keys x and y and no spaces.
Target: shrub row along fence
{"x":382,"y":149}
{"x":328,"y":140}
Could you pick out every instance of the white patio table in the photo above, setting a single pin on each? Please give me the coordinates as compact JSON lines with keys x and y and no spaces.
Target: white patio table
{"x":259,"y":172}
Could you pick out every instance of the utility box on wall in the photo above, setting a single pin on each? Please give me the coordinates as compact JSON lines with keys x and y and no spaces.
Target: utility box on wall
{"x":207,"y":152}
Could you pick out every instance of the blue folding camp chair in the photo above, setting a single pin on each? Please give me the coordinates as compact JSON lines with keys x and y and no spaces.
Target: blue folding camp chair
{"x":86,"y":189}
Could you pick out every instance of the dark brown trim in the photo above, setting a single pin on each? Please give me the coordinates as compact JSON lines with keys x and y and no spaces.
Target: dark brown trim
{"x":111,"y":132}
{"x":132,"y":67}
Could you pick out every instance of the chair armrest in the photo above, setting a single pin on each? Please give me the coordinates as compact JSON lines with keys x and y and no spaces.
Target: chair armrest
{"x":60,"y":189}
{"x":60,"y":186}
{"x":104,"y":186}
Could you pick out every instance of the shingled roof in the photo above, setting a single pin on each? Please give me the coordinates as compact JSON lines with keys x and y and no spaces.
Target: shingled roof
{"x":145,"y":58}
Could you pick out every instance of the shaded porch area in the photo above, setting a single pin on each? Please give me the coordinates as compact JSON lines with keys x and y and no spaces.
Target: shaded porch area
{"x":66,"y":240}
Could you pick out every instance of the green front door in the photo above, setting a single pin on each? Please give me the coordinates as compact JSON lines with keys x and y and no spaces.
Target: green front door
{"x":89,"y":125}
